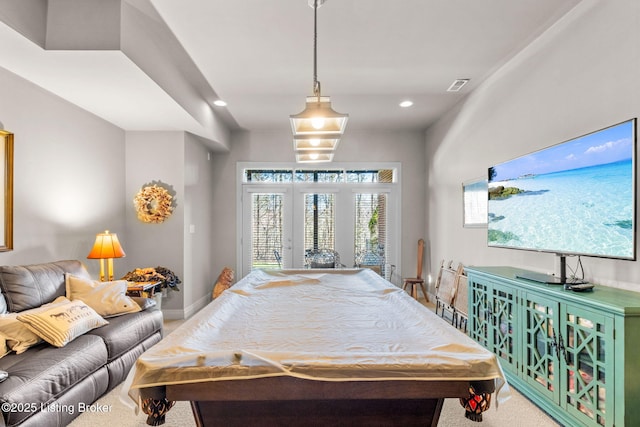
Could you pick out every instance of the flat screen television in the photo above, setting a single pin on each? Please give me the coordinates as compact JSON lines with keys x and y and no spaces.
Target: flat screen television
{"x":574,"y":198}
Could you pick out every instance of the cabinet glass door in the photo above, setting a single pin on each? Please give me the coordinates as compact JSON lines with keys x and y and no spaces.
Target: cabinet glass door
{"x":504,"y":325}
{"x":479,"y":312}
{"x":588,"y":352}
{"x":540,"y":364}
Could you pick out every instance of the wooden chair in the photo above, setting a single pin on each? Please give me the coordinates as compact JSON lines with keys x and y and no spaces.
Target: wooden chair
{"x":418,"y":281}
{"x":460,"y":307}
{"x":437,"y":283}
{"x":446,"y":292}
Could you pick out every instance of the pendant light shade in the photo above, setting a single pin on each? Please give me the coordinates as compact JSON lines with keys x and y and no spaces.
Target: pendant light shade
{"x":326,"y":142}
{"x":318,"y":118}
{"x":318,"y":128}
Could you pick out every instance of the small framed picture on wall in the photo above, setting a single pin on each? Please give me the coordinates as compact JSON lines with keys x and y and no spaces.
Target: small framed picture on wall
{"x":474,"y":202}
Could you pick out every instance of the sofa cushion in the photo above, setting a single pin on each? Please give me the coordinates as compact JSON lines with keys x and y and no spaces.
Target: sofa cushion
{"x":30,"y":286}
{"x":68,"y":406}
{"x":44,"y":373}
{"x":119,"y":368}
{"x":108,"y":299}
{"x":61,"y":321}
{"x":125,"y":332}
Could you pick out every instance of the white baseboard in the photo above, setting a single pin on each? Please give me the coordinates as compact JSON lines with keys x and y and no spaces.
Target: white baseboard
{"x":177,"y":314}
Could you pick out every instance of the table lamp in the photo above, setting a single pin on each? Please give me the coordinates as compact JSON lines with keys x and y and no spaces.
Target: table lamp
{"x":106,"y":247}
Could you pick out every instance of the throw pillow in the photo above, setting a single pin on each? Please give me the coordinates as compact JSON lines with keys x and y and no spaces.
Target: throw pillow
{"x":108,"y":299}
{"x":18,"y":337}
{"x":62,"y":321}
{"x":3,"y":346}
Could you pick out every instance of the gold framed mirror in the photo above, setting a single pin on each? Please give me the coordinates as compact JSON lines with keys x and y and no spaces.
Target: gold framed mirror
{"x":6,"y":188}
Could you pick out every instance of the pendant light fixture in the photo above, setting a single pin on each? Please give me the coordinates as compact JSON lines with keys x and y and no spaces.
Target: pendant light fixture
{"x":318,"y":127}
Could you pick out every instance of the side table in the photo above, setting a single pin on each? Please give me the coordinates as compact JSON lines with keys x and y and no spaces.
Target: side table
{"x":142,"y":289}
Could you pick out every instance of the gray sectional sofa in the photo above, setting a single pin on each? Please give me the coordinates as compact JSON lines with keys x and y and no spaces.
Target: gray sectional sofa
{"x":50,"y":386}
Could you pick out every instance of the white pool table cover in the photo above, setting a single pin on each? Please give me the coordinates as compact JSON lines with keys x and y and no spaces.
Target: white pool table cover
{"x":330,"y":325}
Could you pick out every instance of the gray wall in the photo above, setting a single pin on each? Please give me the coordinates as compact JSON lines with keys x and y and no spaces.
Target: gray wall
{"x":156,"y":157}
{"x":578,"y":77}
{"x":69,"y":175}
{"x":182,"y":243}
{"x":199,"y":239}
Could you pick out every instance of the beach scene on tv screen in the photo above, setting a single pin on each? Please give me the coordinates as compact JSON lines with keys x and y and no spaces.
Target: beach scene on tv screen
{"x":575,"y":197}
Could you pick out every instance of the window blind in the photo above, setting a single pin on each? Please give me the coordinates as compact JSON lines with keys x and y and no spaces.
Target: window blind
{"x":370,"y":234}
{"x":266,"y":230}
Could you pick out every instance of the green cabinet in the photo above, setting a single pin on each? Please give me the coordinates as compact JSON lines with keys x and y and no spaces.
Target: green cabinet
{"x":574,"y":354}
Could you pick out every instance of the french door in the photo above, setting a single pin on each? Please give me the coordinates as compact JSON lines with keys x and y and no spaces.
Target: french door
{"x":285,"y":222}
{"x":272,"y":214}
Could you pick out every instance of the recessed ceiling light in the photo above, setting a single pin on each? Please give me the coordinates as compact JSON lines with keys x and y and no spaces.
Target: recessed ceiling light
{"x":405,"y":104}
{"x":219,"y":103}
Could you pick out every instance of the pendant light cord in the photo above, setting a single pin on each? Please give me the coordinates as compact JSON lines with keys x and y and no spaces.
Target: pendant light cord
{"x":316,"y":83}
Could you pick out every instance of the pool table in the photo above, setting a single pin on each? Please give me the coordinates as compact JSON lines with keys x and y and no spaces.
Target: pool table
{"x":314,"y":347}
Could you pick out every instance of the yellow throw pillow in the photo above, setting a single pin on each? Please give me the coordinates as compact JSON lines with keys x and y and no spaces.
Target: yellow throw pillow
{"x":108,"y":299}
{"x":62,"y":321}
{"x":18,"y":337}
{"x":3,"y":346}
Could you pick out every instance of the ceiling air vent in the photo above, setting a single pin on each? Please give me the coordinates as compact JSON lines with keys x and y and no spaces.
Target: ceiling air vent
{"x":457,"y":85}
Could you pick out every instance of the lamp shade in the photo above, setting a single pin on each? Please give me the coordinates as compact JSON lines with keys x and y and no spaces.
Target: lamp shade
{"x":106,"y":246}
{"x":318,"y":118}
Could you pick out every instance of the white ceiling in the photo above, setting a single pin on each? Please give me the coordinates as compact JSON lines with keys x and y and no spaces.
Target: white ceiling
{"x":372,"y":54}
{"x":257,"y":55}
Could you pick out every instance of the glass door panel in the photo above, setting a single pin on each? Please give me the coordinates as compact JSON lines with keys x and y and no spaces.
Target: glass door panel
{"x":268,"y":215}
{"x":319,"y":224}
{"x":370,"y":231}
{"x":479,"y":312}
{"x":504,"y":318}
{"x":540,"y":364}
{"x":588,"y":347}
